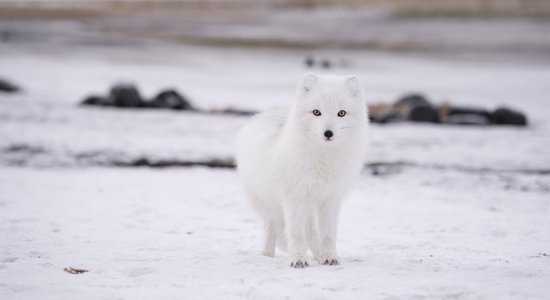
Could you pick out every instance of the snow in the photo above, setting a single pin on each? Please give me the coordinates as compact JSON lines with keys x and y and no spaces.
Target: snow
{"x":187,"y":233}
{"x":466,"y":218}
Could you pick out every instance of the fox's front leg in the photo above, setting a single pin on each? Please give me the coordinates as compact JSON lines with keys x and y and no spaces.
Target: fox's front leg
{"x":270,"y":238}
{"x":328,"y":227}
{"x":296,"y":234}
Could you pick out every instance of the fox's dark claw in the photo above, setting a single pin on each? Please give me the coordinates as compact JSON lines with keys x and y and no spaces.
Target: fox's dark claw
{"x":331,"y":262}
{"x":299,"y":264}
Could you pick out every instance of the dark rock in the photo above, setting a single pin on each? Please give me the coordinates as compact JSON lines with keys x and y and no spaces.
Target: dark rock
{"x":417,"y":108}
{"x":412,"y":100}
{"x":125,"y":95}
{"x":467,"y":110}
{"x":97,"y":100}
{"x":388,"y":116}
{"x":467,"y":119}
{"x":326,"y":64}
{"x":466,"y":116}
{"x":508,"y":116}
{"x":6,"y":86}
{"x":170,"y":99}
{"x":424,"y":114}
{"x":392,"y":116}
{"x":309,"y":61}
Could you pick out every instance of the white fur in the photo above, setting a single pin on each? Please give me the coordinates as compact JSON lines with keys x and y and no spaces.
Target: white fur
{"x":296,"y":178}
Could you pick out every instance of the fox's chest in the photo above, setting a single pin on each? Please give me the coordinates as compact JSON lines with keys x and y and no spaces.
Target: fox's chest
{"x":316,"y":177}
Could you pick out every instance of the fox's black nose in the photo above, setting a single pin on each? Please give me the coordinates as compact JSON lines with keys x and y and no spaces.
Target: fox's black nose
{"x":328,"y":134}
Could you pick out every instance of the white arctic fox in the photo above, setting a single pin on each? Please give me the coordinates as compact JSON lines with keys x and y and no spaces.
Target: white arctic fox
{"x":296,"y":165}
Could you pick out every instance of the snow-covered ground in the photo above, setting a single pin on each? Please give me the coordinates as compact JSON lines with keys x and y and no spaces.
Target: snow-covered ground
{"x":187,"y":233}
{"x":467,"y":218}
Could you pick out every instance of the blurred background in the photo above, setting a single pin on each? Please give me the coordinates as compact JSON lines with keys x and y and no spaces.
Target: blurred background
{"x":120,"y":117}
{"x":462,"y":61}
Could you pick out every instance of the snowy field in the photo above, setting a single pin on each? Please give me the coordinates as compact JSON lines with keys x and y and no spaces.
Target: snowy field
{"x":174,"y":234}
{"x":461,"y":213}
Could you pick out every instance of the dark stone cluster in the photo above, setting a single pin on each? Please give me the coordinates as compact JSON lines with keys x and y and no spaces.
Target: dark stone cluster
{"x":8,"y":87}
{"x":127,"y":95}
{"x":417,"y":108}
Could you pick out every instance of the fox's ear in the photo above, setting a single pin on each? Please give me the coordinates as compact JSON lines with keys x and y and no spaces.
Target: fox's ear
{"x":307,"y":83}
{"x":354,"y":85}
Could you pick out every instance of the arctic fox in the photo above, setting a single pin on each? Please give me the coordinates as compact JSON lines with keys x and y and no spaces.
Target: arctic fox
{"x":296,"y":165}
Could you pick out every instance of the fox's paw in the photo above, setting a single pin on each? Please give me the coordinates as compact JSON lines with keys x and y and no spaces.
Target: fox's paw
{"x":299,"y":263}
{"x":329,"y":260}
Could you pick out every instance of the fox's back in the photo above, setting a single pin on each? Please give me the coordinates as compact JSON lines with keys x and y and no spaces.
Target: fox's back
{"x":256,"y":142}
{"x":261,"y":131}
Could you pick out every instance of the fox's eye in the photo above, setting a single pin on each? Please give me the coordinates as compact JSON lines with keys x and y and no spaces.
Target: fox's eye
{"x":316,"y":112}
{"x":341,"y":113}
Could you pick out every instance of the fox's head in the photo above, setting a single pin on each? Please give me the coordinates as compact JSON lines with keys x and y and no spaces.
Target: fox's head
{"x":330,"y":108}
